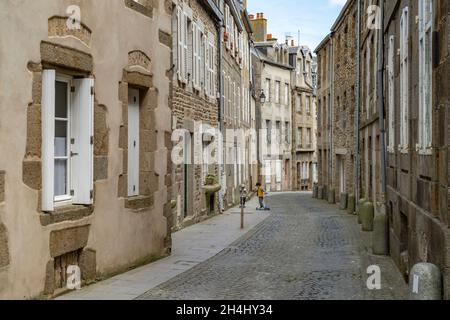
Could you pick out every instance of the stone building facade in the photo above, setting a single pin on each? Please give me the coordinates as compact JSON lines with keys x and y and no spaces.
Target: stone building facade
{"x":304,"y":118}
{"x":415,"y":91}
{"x":417,"y":116}
{"x":274,"y":116}
{"x":324,"y":82}
{"x":85,"y":137}
{"x":195,"y":55}
{"x":337,"y":97}
{"x":369,"y":120}
{"x":236,"y":101}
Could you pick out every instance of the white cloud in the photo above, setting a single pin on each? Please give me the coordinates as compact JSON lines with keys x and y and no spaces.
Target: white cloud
{"x":337,"y":2}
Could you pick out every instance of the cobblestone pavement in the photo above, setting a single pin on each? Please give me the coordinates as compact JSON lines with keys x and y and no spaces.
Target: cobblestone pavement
{"x":307,"y":249}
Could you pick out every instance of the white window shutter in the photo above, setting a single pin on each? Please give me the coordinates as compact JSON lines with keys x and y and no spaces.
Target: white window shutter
{"x":202,"y":61}
{"x":185,"y":47}
{"x":194,"y":54}
{"x":179,"y":44}
{"x":82,"y":114}
{"x":48,"y":137}
{"x":133,"y":142}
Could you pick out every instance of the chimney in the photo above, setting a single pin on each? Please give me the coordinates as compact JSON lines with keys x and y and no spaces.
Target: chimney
{"x":251,"y":16}
{"x":269,"y":36}
{"x":292,"y":43}
{"x":259,"y":26}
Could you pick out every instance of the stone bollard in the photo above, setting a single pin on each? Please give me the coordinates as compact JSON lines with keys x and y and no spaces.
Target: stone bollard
{"x":358,"y":211}
{"x":425,"y":282}
{"x":320,"y":193}
{"x":331,"y":196}
{"x":367,"y":216}
{"x":343,"y":202}
{"x":315,"y":192}
{"x":351,"y":204}
{"x":380,"y":235}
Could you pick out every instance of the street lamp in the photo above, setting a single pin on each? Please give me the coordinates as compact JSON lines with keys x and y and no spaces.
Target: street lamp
{"x":262,"y":97}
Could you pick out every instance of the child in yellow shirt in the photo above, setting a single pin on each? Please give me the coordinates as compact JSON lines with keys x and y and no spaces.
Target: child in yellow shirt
{"x":260,"y":194}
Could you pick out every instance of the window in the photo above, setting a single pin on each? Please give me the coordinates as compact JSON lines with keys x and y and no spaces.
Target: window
{"x":133,"y":142}
{"x":269,"y":131}
{"x":287,"y":132}
{"x":286,"y":94}
{"x":210,"y":67}
{"x":425,"y":74}
{"x":198,"y":55}
{"x":299,"y":137}
{"x":67,"y":140}
{"x":278,"y":128}
{"x":308,"y":138}
{"x":268,"y":91}
{"x":277,"y":91}
{"x":298,"y":103}
{"x":184,"y":42}
{"x":404,"y":80}
{"x":391,"y":93}
{"x":308,"y":105}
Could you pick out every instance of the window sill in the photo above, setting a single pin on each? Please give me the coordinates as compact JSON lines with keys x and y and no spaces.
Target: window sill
{"x":65,"y":213}
{"x":139,"y":203}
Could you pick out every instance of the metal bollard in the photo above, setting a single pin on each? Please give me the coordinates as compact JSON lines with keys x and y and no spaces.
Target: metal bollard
{"x":425,"y":282}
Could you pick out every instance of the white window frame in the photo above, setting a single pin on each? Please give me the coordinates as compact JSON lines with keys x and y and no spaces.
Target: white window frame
{"x":133,"y":142}
{"x":425,"y":76}
{"x":277,"y":91}
{"x":80,"y":120}
{"x":308,"y":105}
{"x":268,"y":91}
{"x":286,"y":93}
{"x":391,"y":93}
{"x":67,"y":198}
{"x":404,"y":81}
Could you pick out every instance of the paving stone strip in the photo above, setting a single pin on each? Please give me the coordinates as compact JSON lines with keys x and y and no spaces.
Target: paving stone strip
{"x":307,"y":250}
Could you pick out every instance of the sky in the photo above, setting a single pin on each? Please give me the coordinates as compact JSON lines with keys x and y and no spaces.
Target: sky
{"x":314,"y":18}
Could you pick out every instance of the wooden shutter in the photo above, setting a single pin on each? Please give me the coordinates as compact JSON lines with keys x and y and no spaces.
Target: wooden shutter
{"x":133,"y":142}
{"x":82,"y":120}
{"x":48,"y":136}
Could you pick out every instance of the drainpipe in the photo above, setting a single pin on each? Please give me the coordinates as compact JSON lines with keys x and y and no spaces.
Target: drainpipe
{"x":219,"y":27}
{"x":380,"y":95}
{"x":357,"y":170}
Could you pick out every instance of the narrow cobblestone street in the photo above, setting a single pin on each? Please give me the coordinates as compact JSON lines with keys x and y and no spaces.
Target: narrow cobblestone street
{"x":307,"y":249}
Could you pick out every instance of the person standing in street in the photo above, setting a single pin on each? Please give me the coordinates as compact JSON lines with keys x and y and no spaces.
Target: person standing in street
{"x":260,"y":194}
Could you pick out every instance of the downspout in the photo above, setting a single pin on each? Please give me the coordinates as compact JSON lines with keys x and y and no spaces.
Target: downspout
{"x":357,"y":170}
{"x":380,"y":95}
{"x":220,"y":115}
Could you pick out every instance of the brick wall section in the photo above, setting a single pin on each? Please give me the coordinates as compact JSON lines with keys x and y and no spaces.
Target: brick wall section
{"x":191,"y":106}
{"x":418,"y":185}
{"x":344,"y":99}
